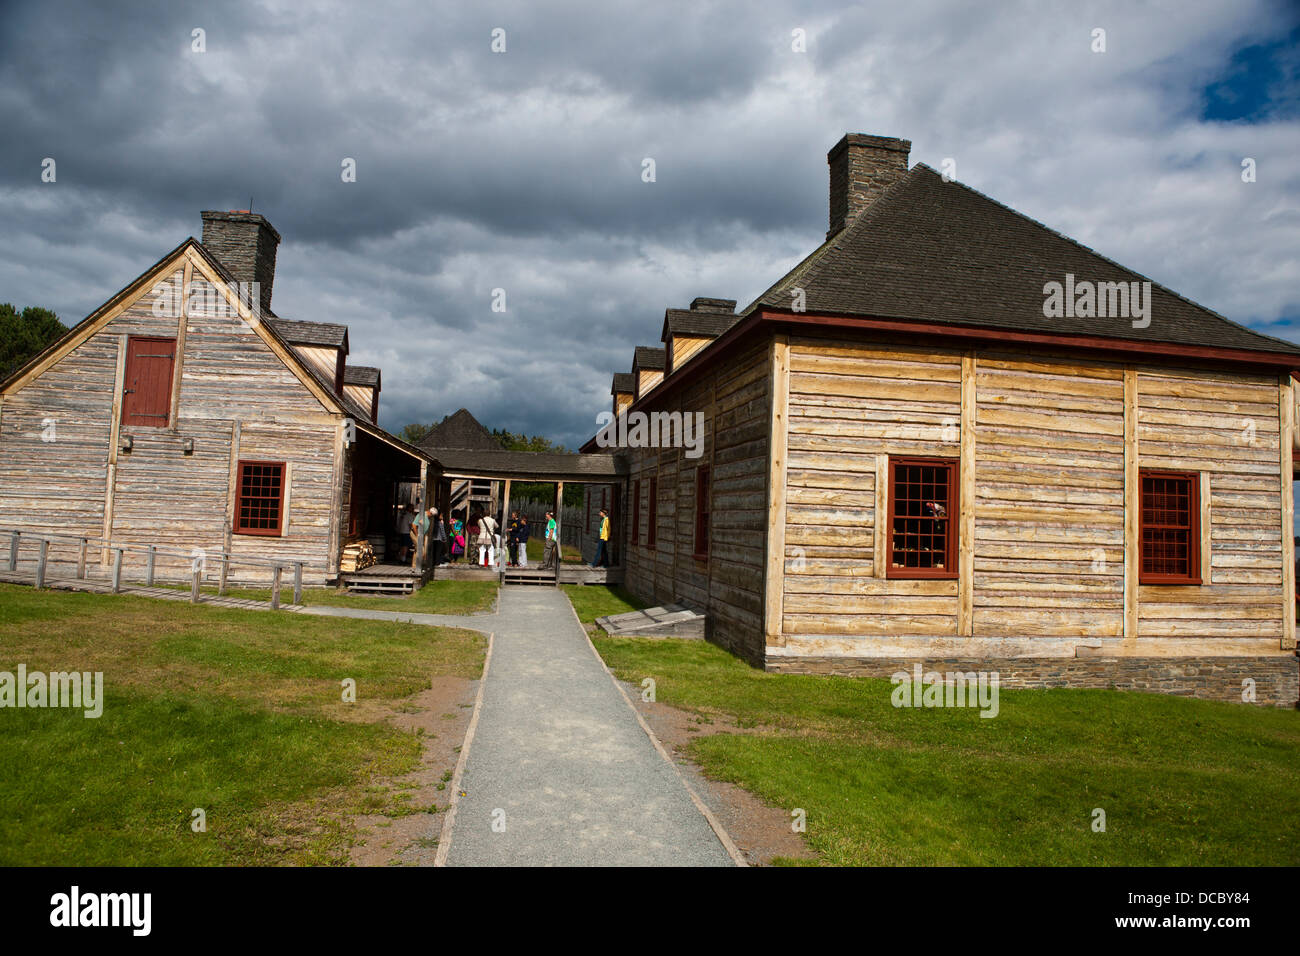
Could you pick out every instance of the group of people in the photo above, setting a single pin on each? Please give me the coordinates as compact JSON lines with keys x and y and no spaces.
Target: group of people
{"x":451,"y":539}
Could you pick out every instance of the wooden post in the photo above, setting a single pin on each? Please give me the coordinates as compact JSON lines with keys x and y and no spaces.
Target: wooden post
{"x":40,"y":563}
{"x":81,"y":559}
{"x":966,"y":500}
{"x":195,"y":577}
{"x":774,"y":573}
{"x":1132,"y":502}
{"x":148,"y":574}
{"x":275,"y":589}
{"x":297,"y":582}
{"x":225,"y":569}
{"x":117,"y":570}
{"x":559,"y":517}
{"x":13,"y":550}
{"x":1286,"y":413}
{"x":505,"y":532}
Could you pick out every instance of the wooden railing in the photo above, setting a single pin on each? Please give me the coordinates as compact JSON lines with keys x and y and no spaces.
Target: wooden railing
{"x":42,"y":542}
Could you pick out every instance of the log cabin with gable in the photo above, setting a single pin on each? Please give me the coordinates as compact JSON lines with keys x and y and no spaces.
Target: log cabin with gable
{"x":184,"y":414}
{"x":910,"y":456}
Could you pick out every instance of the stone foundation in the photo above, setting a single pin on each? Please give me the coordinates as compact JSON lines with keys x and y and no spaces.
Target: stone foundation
{"x":1277,"y":678}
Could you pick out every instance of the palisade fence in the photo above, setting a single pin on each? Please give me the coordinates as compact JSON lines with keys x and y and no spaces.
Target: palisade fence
{"x":49,"y":557}
{"x":570,"y":517}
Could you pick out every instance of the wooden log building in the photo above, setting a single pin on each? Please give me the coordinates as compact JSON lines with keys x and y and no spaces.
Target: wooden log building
{"x":911,"y":454}
{"x":183,"y":413}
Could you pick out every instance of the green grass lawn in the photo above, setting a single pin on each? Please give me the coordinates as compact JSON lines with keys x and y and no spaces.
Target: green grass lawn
{"x":600,"y":600}
{"x":239,"y":713}
{"x":1182,"y":782}
{"x":537,"y":550}
{"x":436,"y":597}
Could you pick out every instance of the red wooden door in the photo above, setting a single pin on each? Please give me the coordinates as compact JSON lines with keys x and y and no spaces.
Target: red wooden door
{"x":147,"y":388}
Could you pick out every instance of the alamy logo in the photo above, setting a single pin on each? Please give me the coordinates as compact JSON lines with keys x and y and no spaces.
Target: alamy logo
{"x":75,"y":689}
{"x":954,"y":689}
{"x":205,"y":299}
{"x":652,"y":430}
{"x":134,"y":910}
{"x":1100,"y":300}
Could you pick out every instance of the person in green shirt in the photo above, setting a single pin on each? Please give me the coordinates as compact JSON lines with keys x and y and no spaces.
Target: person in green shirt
{"x":551,"y":554}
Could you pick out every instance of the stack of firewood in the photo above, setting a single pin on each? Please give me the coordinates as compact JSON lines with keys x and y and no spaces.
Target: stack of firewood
{"x":357,"y":554}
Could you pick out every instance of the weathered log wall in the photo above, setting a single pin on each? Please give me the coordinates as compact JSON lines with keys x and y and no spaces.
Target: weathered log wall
{"x":728,"y":584}
{"x":237,"y":400}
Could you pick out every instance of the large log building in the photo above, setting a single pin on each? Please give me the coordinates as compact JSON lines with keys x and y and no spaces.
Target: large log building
{"x":184,"y":414}
{"x":912,"y":453}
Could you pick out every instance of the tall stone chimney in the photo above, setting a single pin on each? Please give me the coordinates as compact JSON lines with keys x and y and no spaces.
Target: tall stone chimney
{"x":862,"y":167}
{"x":245,"y":243}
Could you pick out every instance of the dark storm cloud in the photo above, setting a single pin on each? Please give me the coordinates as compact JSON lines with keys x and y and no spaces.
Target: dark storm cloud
{"x":522,"y":170}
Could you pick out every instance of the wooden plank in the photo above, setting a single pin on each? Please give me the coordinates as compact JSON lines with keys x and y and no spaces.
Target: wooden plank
{"x":966,"y":530}
{"x":1286,"y":413}
{"x":774,"y":575}
{"x":114,"y":432}
{"x":1206,"y":536}
{"x":179,"y":363}
{"x":881,"y":523}
{"x":1132,"y":545}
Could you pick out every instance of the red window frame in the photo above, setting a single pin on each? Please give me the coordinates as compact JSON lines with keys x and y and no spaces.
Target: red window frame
{"x":636,"y":511}
{"x":248,"y":501}
{"x":703,"y":510}
{"x":915,"y":522}
{"x":654,"y":513}
{"x":147,"y":382}
{"x":1169,"y":530}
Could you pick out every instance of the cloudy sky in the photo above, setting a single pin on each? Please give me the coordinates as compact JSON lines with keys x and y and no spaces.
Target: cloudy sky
{"x":522,"y":170}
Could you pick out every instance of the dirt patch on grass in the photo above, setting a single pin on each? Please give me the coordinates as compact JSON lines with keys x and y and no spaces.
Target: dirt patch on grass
{"x":763,"y":833}
{"x":407,"y":826}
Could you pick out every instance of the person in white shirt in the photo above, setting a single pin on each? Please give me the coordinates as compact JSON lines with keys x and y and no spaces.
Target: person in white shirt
{"x":487,"y":551}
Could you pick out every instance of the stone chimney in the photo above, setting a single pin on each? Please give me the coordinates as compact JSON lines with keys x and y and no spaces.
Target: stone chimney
{"x":245,"y":243}
{"x":862,"y":167}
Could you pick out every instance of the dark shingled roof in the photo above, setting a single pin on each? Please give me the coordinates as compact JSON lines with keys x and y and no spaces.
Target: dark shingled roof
{"x":935,"y":251}
{"x":646,"y":357}
{"x":325,"y":334}
{"x":361,"y":375}
{"x":700,"y":324}
{"x":624,"y":382}
{"x":460,"y":430}
{"x":542,"y":466}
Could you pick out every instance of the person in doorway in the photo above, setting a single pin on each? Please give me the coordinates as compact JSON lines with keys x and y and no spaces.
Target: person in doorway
{"x":487,"y":541}
{"x":420,"y":537}
{"x":405,"y":519}
{"x":522,"y":560}
{"x":439,"y":537}
{"x":602,"y":546}
{"x":512,"y":540}
{"x":550,"y":554}
{"x":457,"y":539}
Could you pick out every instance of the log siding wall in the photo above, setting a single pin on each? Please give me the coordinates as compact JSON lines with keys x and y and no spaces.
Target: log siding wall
{"x":1047,"y":557}
{"x":728,"y":586}
{"x":236,"y":399}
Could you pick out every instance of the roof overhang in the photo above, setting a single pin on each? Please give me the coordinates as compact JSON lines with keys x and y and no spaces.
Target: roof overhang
{"x":770,"y":321}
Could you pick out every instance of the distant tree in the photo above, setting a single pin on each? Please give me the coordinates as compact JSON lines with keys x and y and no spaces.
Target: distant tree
{"x":412,"y":433}
{"x":518,"y":442}
{"x":532,"y":490}
{"x":24,"y":335}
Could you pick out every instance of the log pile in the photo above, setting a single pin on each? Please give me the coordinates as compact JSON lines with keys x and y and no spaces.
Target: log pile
{"x":357,"y":555}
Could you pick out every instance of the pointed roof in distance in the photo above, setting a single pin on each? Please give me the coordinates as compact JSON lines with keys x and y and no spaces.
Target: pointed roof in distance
{"x":460,"y":430}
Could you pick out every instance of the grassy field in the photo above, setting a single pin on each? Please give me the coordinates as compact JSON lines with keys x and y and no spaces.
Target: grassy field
{"x":1181,"y":782}
{"x":600,"y":600}
{"x":436,"y":597}
{"x":236,"y":712}
{"x":537,"y":549}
